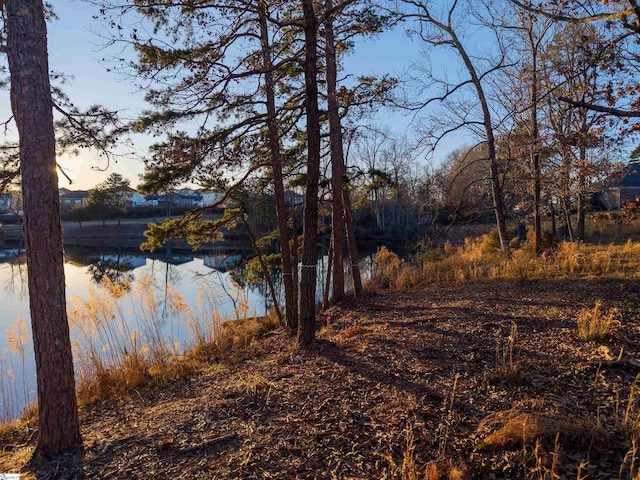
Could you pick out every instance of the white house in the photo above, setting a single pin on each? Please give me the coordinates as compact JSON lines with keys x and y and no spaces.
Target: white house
{"x":211,"y":198}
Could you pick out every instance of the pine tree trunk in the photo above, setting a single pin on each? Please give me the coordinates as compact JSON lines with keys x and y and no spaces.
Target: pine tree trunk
{"x":32,"y":108}
{"x":306,"y":327}
{"x":337,"y":160}
{"x":291,"y":318}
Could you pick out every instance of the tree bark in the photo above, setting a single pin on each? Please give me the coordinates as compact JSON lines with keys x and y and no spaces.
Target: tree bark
{"x":337,"y":158}
{"x":306,"y":327}
{"x":32,"y":109}
{"x":290,"y":301}
{"x":351,"y":239}
{"x":535,"y":134}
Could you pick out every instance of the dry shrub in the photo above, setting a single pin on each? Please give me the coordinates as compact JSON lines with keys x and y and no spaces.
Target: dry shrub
{"x":521,"y":265}
{"x":392,"y":273}
{"x":595,"y":323}
{"x":386,"y":267}
{"x":517,"y":429}
{"x":569,"y":257}
{"x":236,"y":338}
{"x":407,"y":279}
{"x":478,"y":259}
{"x":352,"y":331}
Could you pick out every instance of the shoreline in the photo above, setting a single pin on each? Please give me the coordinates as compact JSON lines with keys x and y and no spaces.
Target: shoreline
{"x":128,"y":233}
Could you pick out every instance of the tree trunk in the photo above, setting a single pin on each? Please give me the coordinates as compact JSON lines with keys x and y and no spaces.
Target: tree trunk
{"x":582,"y":179}
{"x":264,"y":268}
{"x":306,"y":327}
{"x":494,"y":174}
{"x":537,"y":220}
{"x":337,"y":159}
{"x":31,"y":103}
{"x":554,"y":231}
{"x":291,"y":318}
{"x":327,"y":280}
{"x":351,"y":239}
{"x":295,"y":261}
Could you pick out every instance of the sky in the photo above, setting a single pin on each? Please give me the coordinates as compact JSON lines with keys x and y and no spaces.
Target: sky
{"x":77,"y":49}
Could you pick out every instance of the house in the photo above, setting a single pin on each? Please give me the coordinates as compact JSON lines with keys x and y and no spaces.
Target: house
{"x":138,"y":200}
{"x":211,"y":198}
{"x":74,"y":198}
{"x":186,"y":198}
{"x":628,"y":188}
{"x":10,"y":202}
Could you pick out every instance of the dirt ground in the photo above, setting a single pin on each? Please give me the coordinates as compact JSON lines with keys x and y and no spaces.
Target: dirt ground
{"x":437,"y":381}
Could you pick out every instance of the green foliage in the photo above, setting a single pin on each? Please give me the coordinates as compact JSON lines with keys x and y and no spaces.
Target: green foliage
{"x":191,"y":227}
{"x":110,"y":196}
{"x":79,"y":214}
{"x":492,"y":241}
{"x":254,"y":274}
{"x":433,"y":255}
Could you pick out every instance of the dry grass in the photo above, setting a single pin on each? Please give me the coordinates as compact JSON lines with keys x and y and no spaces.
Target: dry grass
{"x":409,"y":469}
{"x":118,"y":350}
{"x":596,"y":323}
{"x":514,"y":428}
{"x":479,"y":259}
{"x":393,"y":273}
{"x":506,"y":359}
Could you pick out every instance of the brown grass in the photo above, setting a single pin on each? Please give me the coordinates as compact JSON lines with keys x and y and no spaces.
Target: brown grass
{"x":514,"y":428}
{"x":479,"y":259}
{"x":596,"y":323}
{"x":117,"y":354}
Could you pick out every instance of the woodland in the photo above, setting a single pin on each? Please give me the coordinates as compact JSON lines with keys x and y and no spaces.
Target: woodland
{"x":249,"y":98}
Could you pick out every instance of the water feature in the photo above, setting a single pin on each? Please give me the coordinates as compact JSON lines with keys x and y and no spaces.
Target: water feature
{"x":165,"y":277}
{"x":172,"y":289}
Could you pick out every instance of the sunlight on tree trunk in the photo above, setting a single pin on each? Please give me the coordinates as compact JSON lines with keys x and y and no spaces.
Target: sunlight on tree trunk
{"x":32,"y":108}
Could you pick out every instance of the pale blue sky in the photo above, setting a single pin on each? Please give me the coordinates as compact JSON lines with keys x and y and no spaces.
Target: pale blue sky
{"x":76,"y":49}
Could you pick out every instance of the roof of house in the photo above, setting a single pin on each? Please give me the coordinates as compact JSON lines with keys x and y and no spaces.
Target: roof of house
{"x":631,"y":179}
{"x":75,"y":195}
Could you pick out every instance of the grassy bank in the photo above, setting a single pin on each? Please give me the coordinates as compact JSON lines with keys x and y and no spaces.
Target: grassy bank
{"x":474,"y":375}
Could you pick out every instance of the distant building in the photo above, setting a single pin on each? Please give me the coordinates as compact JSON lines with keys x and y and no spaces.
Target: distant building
{"x":628,"y":188}
{"x":211,"y":198}
{"x":11,"y":202}
{"x":77,"y":198}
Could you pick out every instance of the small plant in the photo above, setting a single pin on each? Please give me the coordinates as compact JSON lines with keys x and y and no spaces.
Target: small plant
{"x":352,"y":331}
{"x":596,"y":323}
{"x":506,"y":363}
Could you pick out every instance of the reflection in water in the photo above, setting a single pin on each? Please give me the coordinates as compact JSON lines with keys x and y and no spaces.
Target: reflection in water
{"x":117,"y":267}
{"x":16,"y":281}
{"x":123,"y":301}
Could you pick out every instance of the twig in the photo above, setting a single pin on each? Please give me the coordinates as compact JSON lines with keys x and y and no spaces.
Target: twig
{"x":209,"y":443}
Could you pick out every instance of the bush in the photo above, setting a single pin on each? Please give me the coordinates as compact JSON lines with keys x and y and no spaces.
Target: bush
{"x":595,"y":323}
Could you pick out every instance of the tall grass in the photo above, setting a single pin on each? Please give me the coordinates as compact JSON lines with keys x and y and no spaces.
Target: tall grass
{"x":121,"y":343}
{"x":478,"y":259}
{"x":14,"y":390}
{"x":596,"y":323}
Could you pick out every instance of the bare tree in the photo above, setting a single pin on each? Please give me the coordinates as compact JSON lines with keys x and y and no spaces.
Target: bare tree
{"x":443,"y":32}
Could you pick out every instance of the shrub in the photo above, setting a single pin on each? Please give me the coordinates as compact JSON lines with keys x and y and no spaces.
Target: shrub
{"x":595,"y":323}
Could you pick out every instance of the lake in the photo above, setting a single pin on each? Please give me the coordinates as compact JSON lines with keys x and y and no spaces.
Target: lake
{"x":140,"y":297}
